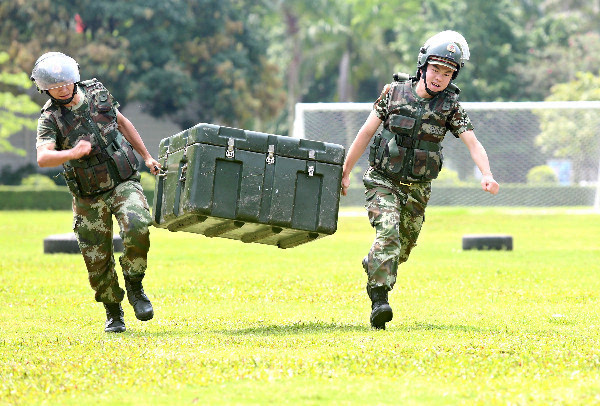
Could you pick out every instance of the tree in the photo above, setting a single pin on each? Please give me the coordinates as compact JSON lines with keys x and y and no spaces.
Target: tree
{"x":333,"y":50}
{"x":188,"y":60}
{"x":574,"y":133}
{"x":17,"y":107}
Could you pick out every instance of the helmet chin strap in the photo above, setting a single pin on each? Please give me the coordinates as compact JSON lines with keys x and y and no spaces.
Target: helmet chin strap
{"x":63,"y":102}
{"x":427,"y":89}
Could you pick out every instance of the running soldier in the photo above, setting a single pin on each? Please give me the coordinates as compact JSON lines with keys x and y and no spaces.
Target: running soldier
{"x":405,"y":157}
{"x":81,"y":128}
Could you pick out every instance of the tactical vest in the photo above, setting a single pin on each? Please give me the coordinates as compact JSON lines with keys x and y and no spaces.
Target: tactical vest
{"x":408,"y":149}
{"x":111,"y":160}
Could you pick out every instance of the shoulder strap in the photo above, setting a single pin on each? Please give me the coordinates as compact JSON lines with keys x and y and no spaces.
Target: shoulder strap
{"x":46,"y":106}
{"x":91,"y":85}
{"x":401,"y":77}
{"x":452,"y":88}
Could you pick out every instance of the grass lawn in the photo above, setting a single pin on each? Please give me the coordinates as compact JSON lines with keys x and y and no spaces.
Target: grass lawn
{"x":251,"y":324}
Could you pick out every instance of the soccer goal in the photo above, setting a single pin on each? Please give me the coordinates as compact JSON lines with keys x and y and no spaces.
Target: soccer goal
{"x":542,"y":153}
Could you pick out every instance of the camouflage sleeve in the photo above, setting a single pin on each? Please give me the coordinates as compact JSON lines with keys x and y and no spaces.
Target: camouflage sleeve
{"x":380,"y":105}
{"x":46,"y":131}
{"x":459,"y":121}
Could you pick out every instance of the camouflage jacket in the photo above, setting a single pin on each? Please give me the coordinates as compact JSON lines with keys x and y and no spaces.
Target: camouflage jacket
{"x":111,"y":160}
{"x":408,"y":148}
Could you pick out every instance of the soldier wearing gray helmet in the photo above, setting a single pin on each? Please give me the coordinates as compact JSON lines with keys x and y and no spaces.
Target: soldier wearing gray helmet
{"x":81,"y":128}
{"x":406,"y":156}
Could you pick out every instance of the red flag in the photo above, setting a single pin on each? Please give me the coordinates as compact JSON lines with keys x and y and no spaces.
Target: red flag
{"x":79,"y":25}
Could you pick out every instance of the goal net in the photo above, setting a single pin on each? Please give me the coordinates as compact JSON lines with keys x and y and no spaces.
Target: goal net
{"x":541,"y":153}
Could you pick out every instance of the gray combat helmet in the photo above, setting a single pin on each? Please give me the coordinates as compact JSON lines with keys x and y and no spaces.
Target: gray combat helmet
{"x":447,"y":48}
{"x":54,"y":69}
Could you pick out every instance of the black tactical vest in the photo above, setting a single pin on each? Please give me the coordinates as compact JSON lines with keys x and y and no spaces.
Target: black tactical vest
{"x":408,"y":148}
{"x":111,"y":160}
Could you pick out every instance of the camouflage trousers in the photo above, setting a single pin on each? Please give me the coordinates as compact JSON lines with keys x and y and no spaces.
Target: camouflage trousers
{"x":396,"y":212}
{"x":93,"y":226}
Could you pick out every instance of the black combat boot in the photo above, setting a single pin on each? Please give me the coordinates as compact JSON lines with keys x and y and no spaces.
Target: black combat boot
{"x":138,"y":299}
{"x":114,"y":318}
{"x":381,"y":311}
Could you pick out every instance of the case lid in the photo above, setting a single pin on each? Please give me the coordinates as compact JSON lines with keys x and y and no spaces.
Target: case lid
{"x":228,"y":137}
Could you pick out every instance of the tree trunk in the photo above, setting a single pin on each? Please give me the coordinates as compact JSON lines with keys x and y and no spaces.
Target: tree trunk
{"x":344,"y":86}
{"x":293,"y":73}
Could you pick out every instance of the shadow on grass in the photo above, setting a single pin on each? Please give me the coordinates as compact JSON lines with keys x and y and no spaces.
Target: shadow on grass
{"x":315,"y":327}
{"x":445,"y":327}
{"x":322,"y":327}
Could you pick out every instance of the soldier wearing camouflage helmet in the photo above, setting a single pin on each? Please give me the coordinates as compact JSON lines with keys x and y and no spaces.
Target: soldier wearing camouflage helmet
{"x":81,"y":128}
{"x":405,"y":157}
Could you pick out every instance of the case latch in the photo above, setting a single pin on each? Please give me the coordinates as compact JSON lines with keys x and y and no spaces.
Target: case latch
{"x":271,"y":155}
{"x":183,"y":170}
{"x":311,"y":168}
{"x":230,"y":153}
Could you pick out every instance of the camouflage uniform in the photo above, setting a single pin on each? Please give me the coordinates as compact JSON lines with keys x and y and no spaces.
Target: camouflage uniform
{"x":398,"y":188}
{"x":116,"y":185}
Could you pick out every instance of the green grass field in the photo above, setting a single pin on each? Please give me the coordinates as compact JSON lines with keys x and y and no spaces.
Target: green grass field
{"x":250,"y":324}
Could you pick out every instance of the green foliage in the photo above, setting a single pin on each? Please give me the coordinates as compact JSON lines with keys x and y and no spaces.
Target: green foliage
{"x":563,"y":136}
{"x":241,"y":62}
{"x":469,"y":327}
{"x":38,"y":181}
{"x":558,"y":61}
{"x":34,"y":198}
{"x":542,"y":174}
{"x":16,"y":107}
{"x":147,"y":180}
{"x":47,"y":197}
{"x":190,"y":61}
{"x":448,"y":177}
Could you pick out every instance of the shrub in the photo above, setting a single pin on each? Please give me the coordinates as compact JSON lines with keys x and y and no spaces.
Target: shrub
{"x":38,"y":181}
{"x":448,"y":177}
{"x":147,"y":180}
{"x":542,"y":175}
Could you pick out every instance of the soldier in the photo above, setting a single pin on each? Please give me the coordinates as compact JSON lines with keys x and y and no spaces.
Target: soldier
{"x":81,"y":128}
{"x":405,"y":157}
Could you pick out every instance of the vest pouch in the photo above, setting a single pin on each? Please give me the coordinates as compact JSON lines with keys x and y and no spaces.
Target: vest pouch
{"x":125,"y":160}
{"x":395,"y":157}
{"x":94,"y":179}
{"x":103,"y":102}
{"x":400,"y":124}
{"x":426,"y":165}
{"x":372,"y":153}
{"x":69,"y":175}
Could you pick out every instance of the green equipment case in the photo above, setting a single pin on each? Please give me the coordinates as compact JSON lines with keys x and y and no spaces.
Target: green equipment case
{"x":249,"y":186}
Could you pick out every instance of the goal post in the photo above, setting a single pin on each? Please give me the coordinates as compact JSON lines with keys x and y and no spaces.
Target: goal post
{"x":541,"y":153}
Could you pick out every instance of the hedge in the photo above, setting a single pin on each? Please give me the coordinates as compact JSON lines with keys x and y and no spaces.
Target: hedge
{"x":27,"y":198}
{"x":510,"y":195}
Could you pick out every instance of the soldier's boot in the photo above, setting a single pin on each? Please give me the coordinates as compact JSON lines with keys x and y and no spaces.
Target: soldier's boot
{"x":381,"y":311}
{"x":115,"y":323}
{"x":138,"y":299}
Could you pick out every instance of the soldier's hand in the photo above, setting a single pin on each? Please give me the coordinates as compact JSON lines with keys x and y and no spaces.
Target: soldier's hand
{"x":153,"y":165}
{"x":345,"y":185}
{"x":489,"y":184}
{"x":82,"y":148}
